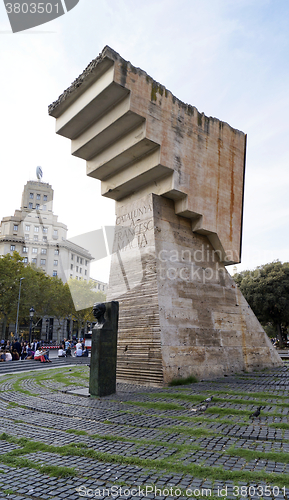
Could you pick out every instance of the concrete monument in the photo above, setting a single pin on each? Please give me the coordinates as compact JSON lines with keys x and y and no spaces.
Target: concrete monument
{"x":102,"y":380}
{"x":177,"y":177}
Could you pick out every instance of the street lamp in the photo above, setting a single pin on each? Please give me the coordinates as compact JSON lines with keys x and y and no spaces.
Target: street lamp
{"x":31,"y":313}
{"x":16,"y":328}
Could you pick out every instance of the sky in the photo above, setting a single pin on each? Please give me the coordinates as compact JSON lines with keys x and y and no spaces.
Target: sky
{"x":228,"y":58}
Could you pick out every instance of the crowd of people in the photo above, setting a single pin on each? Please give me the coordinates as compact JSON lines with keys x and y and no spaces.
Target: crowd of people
{"x":67,"y":346}
{"x":17,"y":350}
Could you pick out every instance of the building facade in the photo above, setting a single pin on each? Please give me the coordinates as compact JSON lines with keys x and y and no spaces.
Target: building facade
{"x":36,"y":234}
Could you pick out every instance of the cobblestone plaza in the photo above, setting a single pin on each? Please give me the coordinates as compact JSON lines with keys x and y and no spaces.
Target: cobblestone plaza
{"x":143,"y":442}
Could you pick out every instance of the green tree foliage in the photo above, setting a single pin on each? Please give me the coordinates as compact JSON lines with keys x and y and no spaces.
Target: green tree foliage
{"x":267,"y":291}
{"x":11,"y":270}
{"x":47,"y":295}
{"x":83,"y":299}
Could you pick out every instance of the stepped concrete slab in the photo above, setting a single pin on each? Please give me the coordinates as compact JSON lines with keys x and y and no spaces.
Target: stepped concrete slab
{"x":177,"y":177}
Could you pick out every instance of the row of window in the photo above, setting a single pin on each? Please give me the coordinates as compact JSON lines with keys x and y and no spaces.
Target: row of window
{"x":79,"y":260}
{"x":35,"y":237}
{"x":42,"y":263}
{"x":36,"y":230}
{"x":78,"y":269}
{"x":38,"y":196}
{"x":34,"y":250}
{"x":37,"y":206}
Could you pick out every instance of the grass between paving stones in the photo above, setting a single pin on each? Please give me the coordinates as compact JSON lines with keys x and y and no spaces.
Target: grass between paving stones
{"x":169,"y":465}
{"x":147,"y":442}
{"x":174,"y":462}
{"x":275,"y":456}
{"x":66,"y":376}
{"x":77,"y":432}
{"x":14,"y":459}
{"x":155,"y":406}
{"x":199,"y":398}
{"x":17,"y":386}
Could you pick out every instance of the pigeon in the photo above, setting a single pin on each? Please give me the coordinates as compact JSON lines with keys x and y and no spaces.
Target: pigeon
{"x":200,"y":408}
{"x":208,"y":400}
{"x":256,"y":413}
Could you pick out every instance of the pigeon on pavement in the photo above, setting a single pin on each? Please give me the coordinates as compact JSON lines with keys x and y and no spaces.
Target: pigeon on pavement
{"x":208,"y":400}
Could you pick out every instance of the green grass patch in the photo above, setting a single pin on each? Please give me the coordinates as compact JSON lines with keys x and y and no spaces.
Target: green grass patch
{"x":17,"y":386}
{"x":275,"y":456}
{"x":77,"y":432}
{"x":156,"y":406}
{"x":183,"y":381}
{"x":11,"y":404}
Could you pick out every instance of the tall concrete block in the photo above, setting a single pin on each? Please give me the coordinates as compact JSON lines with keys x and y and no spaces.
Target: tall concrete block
{"x":181,"y":313}
{"x":177,"y":177}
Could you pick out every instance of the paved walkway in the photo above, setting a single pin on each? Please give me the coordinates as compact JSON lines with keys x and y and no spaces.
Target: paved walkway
{"x":109,"y":441}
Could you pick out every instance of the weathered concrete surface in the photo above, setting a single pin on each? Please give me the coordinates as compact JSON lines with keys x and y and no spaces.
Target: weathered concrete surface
{"x":177,"y":178}
{"x":181,"y":313}
{"x":137,"y":135}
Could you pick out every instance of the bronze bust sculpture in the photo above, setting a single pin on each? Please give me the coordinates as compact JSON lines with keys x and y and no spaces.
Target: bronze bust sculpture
{"x":99,"y":312}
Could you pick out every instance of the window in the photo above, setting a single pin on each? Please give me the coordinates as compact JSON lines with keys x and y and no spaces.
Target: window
{"x":34,"y":261}
{"x":56,"y":251}
{"x":15,"y":227}
{"x":79,"y":278}
{"x":80,"y":270}
{"x":35,"y":237}
{"x":12,"y":248}
{"x":71,"y":267}
{"x":25,"y":260}
{"x":86,"y":262}
{"x":72,"y":256}
{"x":55,"y":233}
{"x":80,"y":260}
{"x":55,"y":262}
{"x":31,"y":196}
{"x":42,"y":262}
{"x":85,"y":272}
{"x":54,"y":273}
{"x":38,"y":197}
{"x":36,"y":229}
{"x":44,"y":251}
{"x":30,"y":205}
{"x":37,"y":206}
{"x":44,"y":230}
{"x":77,"y":269}
{"x":26,"y":236}
{"x":34,"y":250}
{"x":27,"y":228}
{"x":77,"y":259}
{"x":44,"y":238}
{"x":71,"y":275}
{"x":25,"y":249}
{"x":45,"y":197}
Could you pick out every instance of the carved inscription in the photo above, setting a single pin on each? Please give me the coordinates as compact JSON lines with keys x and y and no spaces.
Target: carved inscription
{"x":131,"y":229}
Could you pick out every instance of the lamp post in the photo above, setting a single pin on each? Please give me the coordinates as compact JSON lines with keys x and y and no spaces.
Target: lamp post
{"x":16,"y":328}
{"x":31,"y":313}
{"x":47,"y":321}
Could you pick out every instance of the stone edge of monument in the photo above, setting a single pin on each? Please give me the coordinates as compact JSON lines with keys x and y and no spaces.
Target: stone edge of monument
{"x":79,"y":85}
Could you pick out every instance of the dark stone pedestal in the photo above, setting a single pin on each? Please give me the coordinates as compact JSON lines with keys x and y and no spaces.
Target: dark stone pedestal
{"x":102,"y":381}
